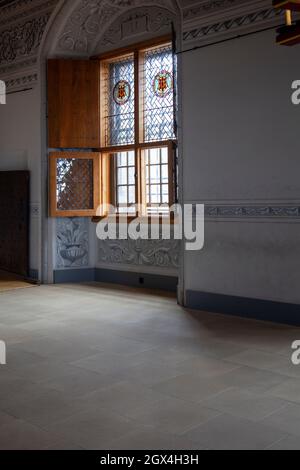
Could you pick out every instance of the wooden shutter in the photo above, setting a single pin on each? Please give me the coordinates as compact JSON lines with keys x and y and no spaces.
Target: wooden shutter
{"x":73,"y":104}
{"x":74,"y":184}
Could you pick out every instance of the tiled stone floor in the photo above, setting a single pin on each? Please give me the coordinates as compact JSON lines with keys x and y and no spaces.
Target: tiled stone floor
{"x":97,"y":367}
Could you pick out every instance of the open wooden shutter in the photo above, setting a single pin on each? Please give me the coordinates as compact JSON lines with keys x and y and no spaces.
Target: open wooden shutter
{"x":74,"y":184}
{"x":73,"y":104}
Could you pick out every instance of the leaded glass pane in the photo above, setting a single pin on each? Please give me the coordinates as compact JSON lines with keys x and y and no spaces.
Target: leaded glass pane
{"x":122,"y":176}
{"x":131,"y":195}
{"x":119,"y":103}
{"x":122,"y":195}
{"x":157,"y":179}
{"x":165,"y":174}
{"x":125,"y":182}
{"x":158,"y":94}
{"x":74,"y":184}
{"x":131,"y":175}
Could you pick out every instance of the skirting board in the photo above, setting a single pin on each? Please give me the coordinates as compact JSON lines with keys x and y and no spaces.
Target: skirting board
{"x":132,"y":279}
{"x":64,"y":276}
{"x":148,"y":281}
{"x":34,"y":274}
{"x":265,"y":310}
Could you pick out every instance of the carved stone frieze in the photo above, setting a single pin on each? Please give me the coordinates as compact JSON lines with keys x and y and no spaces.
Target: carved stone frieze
{"x":203,"y":8}
{"x":253,"y":211}
{"x":22,"y":40}
{"x":220,"y":30}
{"x":22,"y":25}
{"x":151,"y":253}
{"x":21,"y":82}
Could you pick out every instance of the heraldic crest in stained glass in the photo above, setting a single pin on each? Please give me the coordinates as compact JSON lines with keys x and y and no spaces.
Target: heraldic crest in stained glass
{"x":163,"y":84}
{"x":122,"y":92}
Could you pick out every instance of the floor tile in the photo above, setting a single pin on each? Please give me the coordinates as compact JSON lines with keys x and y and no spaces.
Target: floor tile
{"x":173,"y":416}
{"x":97,"y":367}
{"x":41,"y":407}
{"x":152,"y":439}
{"x":123,"y":398}
{"x":288,"y":443}
{"x":191,"y":387}
{"x":287,"y":420}
{"x":19,"y":435}
{"x":94,"y":430}
{"x":288,"y":390}
{"x":245,"y":404}
{"x":227,"y":432}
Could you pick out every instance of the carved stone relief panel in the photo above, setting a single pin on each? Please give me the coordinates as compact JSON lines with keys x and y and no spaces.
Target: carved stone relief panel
{"x":72,"y":243}
{"x":151,"y":253}
{"x":22,"y":25}
{"x":22,"y":40}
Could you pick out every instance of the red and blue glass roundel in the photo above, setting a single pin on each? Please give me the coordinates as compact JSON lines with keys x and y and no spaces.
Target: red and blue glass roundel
{"x":163,"y":84}
{"x":122,"y":92}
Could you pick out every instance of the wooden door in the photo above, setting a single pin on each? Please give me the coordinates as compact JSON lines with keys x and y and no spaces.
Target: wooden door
{"x":14,"y":222}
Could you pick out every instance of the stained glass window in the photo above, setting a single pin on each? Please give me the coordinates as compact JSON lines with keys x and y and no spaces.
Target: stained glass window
{"x":125,"y":184}
{"x":157,"y":178}
{"x":158,"y":96}
{"x":74,"y":184}
{"x":119,"y":107}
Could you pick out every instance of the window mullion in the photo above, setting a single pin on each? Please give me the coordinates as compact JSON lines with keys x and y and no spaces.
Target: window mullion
{"x":137,"y":97}
{"x":137,"y":128}
{"x":171,"y":166}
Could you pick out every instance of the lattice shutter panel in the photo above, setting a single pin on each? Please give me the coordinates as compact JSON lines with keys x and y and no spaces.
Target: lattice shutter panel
{"x":74,"y":185}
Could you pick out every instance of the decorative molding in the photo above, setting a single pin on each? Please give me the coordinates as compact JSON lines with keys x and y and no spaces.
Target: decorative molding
{"x":213,"y":6}
{"x":261,"y":18}
{"x":130,"y":26}
{"x":24,"y":9}
{"x":22,"y":26}
{"x":252,"y":211}
{"x":91,"y":18}
{"x":15,"y":67}
{"x":72,"y":243}
{"x":22,"y":40}
{"x":104,"y":23}
{"x":20,"y":83}
{"x":153,"y":253}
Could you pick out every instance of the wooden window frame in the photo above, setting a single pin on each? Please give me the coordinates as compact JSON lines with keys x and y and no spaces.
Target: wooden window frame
{"x":101,"y":156}
{"x":107,"y":179}
{"x":97,"y":160}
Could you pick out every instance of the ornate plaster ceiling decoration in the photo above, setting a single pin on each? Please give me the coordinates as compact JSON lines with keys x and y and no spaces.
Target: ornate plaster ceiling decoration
{"x":84,"y":26}
{"x":91,"y":19}
{"x":22,"y":26}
